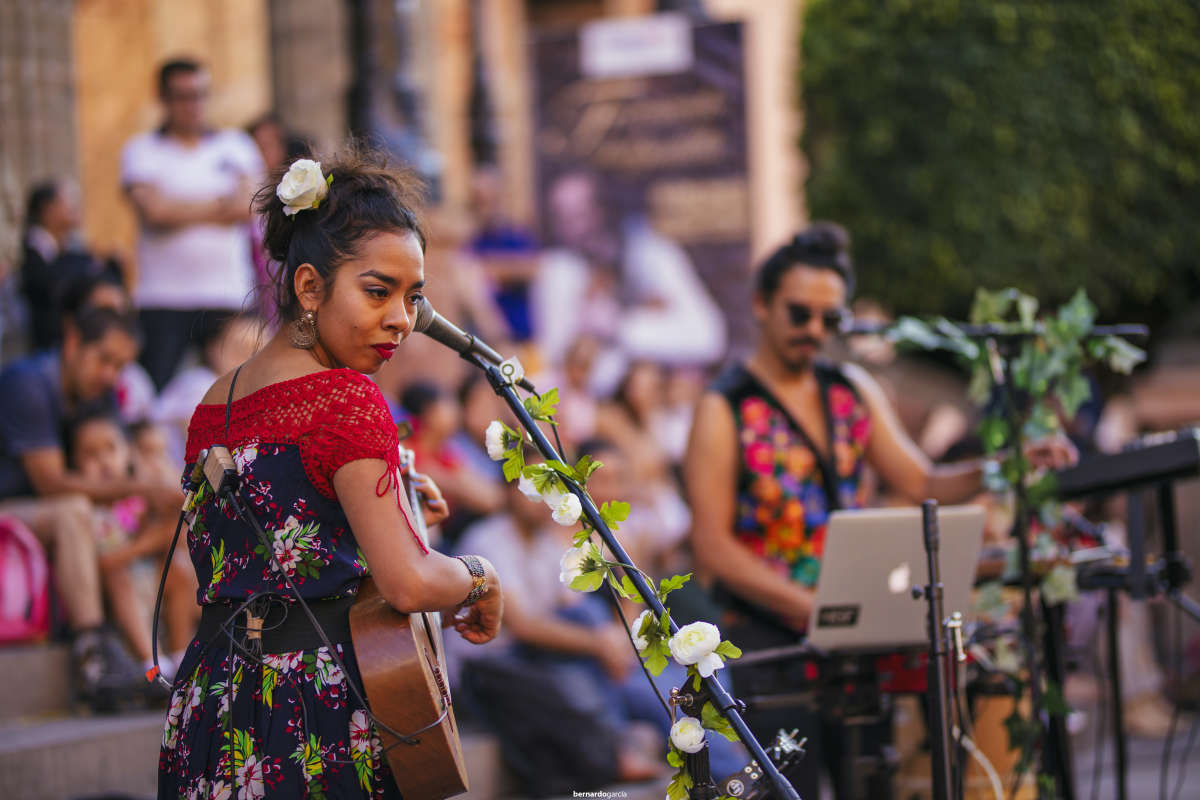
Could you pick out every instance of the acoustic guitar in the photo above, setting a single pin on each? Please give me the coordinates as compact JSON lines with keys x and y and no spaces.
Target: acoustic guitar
{"x":403,"y":668}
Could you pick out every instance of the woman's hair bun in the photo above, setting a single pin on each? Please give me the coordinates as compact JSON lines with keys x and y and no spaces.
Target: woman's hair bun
{"x":367,"y":195}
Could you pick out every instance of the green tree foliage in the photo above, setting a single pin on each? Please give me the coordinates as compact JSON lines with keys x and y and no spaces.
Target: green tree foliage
{"x":1043,"y":144}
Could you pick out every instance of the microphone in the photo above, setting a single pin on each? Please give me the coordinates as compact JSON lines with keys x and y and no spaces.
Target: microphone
{"x":856,"y":327}
{"x":442,"y":330}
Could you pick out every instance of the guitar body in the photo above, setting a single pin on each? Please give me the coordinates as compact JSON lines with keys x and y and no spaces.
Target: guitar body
{"x":403,"y":670}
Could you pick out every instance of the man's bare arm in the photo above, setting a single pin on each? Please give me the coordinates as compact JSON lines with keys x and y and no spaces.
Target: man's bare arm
{"x":900,"y":462}
{"x":710,"y":478}
{"x":48,"y":473}
{"x":903,"y":466}
{"x":158,"y":211}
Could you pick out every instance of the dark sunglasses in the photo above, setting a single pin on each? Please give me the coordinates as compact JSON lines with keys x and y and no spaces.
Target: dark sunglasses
{"x":187,"y":96}
{"x":831,"y":318}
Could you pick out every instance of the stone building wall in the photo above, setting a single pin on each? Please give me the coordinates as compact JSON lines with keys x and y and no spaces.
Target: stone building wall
{"x":118,"y":47}
{"x":37,"y":107}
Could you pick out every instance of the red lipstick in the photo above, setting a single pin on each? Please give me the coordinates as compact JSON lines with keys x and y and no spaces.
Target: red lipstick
{"x":385,"y":350}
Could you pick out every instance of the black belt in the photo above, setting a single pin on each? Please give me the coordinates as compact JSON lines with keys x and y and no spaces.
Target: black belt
{"x":284,"y":627}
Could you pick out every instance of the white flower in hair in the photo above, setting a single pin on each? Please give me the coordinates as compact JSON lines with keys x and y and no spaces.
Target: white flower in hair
{"x":303,"y":186}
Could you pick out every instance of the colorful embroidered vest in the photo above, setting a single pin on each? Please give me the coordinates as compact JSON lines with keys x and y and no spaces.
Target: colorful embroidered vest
{"x":785,"y":488}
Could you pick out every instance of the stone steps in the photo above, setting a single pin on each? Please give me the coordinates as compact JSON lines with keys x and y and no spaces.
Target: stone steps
{"x":71,"y":757}
{"x":50,"y":752}
{"x":38,"y":680}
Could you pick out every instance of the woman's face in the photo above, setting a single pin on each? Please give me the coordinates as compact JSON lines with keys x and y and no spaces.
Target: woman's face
{"x":370,"y":304}
{"x":644,"y":389}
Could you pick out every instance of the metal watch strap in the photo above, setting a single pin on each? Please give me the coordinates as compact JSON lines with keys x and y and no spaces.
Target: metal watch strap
{"x":475,"y":567}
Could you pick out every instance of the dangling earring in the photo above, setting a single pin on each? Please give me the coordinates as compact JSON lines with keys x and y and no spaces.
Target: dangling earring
{"x":303,"y":331}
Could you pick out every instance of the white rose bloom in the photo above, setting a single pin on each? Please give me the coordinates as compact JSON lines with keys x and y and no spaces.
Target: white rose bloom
{"x":553,"y":495}
{"x":493,"y":437}
{"x":694,"y":644}
{"x":709,"y":664}
{"x":302,"y":187}
{"x":527,"y":488}
{"x":572,"y":562}
{"x":568,"y":510}
{"x":639,"y":641}
{"x":687,"y":734}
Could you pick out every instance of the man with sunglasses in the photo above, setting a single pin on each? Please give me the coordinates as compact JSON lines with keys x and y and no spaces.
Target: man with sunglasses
{"x":778,"y":443}
{"x":190,"y":185}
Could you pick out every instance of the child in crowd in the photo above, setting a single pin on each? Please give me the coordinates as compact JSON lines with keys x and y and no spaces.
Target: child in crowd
{"x":221,"y":351}
{"x":130,"y":531}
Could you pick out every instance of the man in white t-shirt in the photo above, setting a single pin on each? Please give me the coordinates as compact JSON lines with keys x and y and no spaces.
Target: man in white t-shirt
{"x":191,"y":186}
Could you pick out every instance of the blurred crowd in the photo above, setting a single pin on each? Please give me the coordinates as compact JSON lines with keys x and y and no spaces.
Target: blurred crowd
{"x":104,"y":364}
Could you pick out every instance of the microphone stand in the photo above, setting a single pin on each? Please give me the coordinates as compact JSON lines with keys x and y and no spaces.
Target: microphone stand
{"x":724,"y":702}
{"x":939,"y":699}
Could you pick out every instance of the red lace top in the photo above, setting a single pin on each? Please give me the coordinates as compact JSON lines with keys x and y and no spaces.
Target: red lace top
{"x":288,"y":439}
{"x":334,"y":417}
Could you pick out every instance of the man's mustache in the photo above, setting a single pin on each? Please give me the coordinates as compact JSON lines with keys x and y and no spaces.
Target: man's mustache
{"x":799,"y":340}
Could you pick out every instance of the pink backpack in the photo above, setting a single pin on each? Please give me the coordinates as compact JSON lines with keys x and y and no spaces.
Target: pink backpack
{"x":24,"y":585}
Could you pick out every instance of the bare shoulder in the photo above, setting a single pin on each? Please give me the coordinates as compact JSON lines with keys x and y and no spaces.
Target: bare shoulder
{"x":218,"y":392}
{"x":713,"y":422}
{"x":863,"y":381}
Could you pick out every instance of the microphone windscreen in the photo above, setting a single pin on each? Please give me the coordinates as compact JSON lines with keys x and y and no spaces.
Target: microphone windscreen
{"x":425,"y":315}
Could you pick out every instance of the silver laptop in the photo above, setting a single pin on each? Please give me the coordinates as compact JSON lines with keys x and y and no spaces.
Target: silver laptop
{"x":872,"y":560}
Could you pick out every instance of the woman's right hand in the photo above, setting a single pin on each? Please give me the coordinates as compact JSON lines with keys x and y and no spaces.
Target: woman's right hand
{"x":480,"y":622}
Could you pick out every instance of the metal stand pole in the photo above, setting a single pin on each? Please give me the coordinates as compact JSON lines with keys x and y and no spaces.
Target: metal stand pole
{"x":939,"y":698}
{"x":721,"y":699}
{"x":1114,"y":668}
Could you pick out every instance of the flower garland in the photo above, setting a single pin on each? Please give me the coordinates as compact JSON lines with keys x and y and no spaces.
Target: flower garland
{"x":697,"y":646}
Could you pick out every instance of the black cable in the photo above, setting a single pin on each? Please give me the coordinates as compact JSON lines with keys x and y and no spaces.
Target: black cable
{"x":162,"y":585}
{"x":629,"y":633}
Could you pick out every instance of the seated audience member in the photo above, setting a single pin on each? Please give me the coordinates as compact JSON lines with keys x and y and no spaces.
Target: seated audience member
{"x":53,"y":258}
{"x":127,"y":531}
{"x":507,"y":251}
{"x":134,"y":389}
{"x":616,"y":277}
{"x":635,"y":420}
{"x":226,"y":346}
{"x":577,"y":404}
{"x":652,"y":533}
{"x":571,"y":638}
{"x":42,"y":395}
{"x":436,"y":420}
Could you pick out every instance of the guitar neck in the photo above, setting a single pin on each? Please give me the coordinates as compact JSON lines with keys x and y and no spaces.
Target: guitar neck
{"x":417,"y":506}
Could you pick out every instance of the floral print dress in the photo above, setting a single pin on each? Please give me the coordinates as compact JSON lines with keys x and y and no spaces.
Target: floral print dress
{"x":285,"y":725}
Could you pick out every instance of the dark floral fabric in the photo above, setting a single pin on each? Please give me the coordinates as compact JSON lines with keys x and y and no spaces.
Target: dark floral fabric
{"x":786,"y":490}
{"x":287,"y":725}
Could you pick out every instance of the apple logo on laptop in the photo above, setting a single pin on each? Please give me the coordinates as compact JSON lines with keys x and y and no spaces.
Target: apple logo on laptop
{"x":899,"y":579}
